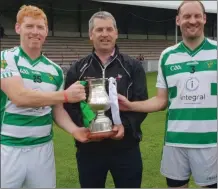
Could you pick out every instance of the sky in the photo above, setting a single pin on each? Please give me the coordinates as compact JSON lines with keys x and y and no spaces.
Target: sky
{"x":210,"y":6}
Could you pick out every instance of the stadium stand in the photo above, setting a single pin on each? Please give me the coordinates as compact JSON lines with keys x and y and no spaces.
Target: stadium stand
{"x":65,"y":50}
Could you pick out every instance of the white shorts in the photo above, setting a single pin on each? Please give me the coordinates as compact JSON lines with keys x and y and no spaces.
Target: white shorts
{"x":179,"y":163}
{"x":29,"y":167}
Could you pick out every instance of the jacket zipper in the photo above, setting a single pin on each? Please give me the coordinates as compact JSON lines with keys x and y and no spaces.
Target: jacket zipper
{"x":103,"y":69}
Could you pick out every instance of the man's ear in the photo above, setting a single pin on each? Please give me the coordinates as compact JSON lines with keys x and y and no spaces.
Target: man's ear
{"x":205,"y":18}
{"x":17,"y":28}
{"x":90,"y":35}
{"x":117,"y":34}
{"x":46,"y":31}
{"x":177,"y":20}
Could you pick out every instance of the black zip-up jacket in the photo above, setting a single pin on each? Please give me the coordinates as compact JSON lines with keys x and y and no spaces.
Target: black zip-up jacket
{"x":131,"y":82}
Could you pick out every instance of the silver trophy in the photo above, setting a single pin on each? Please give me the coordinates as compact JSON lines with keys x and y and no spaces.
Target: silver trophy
{"x":99,"y":102}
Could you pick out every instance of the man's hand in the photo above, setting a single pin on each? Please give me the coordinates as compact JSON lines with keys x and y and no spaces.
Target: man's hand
{"x":119,"y":132}
{"x":76,"y":92}
{"x":81,"y":134}
{"x":124,"y":103}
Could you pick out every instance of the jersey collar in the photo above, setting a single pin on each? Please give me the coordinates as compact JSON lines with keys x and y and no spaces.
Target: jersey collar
{"x":26,"y":56}
{"x":196,"y":50}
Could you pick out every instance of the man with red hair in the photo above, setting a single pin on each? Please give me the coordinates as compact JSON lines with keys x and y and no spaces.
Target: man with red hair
{"x":31,"y":97}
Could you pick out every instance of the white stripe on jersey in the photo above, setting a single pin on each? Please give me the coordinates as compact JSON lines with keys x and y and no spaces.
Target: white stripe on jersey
{"x":25,"y":131}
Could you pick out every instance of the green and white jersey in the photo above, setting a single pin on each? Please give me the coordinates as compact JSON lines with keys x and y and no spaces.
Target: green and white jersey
{"x":28,"y":126}
{"x":191,"y":80}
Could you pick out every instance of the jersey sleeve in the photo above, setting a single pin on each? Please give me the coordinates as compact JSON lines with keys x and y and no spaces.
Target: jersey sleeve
{"x":161,"y":83}
{"x":8,"y":65}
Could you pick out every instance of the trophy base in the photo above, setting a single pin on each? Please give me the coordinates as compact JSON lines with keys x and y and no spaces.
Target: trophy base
{"x":101,"y":135}
{"x":101,"y":124}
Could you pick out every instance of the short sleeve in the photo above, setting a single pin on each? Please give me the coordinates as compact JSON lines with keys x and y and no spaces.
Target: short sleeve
{"x":8,"y":65}
{"x":161,"y":83}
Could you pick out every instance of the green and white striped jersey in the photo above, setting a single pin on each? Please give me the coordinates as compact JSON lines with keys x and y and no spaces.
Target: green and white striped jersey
{"x":191,"y":80}
{"x":28,"y":126}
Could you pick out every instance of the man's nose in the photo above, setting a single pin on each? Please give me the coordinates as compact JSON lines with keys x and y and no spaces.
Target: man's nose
{"x":35,"y":30}
{"x":192,"y":20}
{"x":104,"y":32}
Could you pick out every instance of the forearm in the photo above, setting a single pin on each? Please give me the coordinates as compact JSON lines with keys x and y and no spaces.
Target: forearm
{"x":63,"y":120}
{"x":31,"y":98}
{"x":153,"y":104}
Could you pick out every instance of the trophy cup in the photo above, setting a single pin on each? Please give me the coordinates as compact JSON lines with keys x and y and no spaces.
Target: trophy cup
{"x":98,"y":100}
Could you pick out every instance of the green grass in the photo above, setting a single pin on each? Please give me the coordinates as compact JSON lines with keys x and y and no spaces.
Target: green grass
{"x":151,"y":148}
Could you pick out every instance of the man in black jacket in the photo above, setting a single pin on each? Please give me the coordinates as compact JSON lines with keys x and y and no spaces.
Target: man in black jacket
{"x":119,"y":155}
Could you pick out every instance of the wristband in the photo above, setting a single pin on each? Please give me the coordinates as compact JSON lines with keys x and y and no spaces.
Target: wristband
{"x":65,"y":97}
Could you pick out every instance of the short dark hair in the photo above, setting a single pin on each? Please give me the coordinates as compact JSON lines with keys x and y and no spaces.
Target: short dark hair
{"x":180,"y":6}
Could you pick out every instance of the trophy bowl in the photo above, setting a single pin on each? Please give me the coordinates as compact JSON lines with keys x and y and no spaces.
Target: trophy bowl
{"x":98,"y":100}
